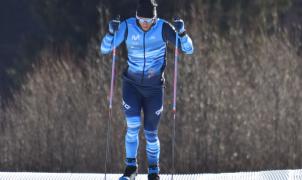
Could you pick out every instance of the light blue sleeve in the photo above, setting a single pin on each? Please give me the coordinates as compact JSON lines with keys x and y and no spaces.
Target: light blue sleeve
{"x":107,"y":42}
{"x":186,"y":44}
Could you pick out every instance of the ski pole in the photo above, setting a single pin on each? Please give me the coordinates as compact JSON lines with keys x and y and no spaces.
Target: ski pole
{"x":174,"y":99}
{"x":110,"y":98}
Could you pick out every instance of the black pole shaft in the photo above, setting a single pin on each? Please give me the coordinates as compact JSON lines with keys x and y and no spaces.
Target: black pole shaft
{"x":173,"y":145}
{"x":107,"y":141}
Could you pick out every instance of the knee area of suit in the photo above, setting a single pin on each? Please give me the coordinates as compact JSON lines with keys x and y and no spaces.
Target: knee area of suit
{"x":151,"y":136}
{"x":132,"y":134}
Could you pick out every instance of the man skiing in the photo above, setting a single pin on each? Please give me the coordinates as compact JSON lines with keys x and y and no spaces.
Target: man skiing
{"x":146,"y":37}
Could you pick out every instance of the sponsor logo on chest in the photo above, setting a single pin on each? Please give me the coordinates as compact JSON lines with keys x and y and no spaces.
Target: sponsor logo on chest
{"x":135,"y":37}
{"x":152,"y":37}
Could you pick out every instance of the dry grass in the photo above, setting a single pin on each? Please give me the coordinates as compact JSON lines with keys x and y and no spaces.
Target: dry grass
{"x":239,"y":108}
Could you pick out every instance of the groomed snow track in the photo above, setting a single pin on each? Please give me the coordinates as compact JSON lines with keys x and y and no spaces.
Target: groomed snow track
{"x":261,"y":175}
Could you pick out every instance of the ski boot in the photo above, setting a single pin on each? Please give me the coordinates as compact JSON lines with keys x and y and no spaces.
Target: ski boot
{"x":130,"y":173}
{"x":153,"y":176}
{"x":153,"y":171}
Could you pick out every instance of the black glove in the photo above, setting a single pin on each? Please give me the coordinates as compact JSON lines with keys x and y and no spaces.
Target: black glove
{"x":114,"y":25}
{"x":179,"y":26}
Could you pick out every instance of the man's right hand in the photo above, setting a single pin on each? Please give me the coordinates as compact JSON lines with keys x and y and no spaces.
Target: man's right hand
{"x":114,"y":25}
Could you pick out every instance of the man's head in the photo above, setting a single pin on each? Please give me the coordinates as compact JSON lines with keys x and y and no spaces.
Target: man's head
{"x":146,"y":13}
{"x":146,"y":8}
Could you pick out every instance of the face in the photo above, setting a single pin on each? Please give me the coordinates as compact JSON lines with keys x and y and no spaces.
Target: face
{"x":145,"y":23}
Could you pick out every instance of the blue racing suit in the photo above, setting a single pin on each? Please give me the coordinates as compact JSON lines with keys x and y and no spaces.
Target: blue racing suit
{"x":143,"y":81}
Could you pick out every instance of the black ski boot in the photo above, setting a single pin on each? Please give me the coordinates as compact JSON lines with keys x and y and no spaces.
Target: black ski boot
{"x":130,"y":173}
{"x":153,"y":176}
{"x":153,"y":171}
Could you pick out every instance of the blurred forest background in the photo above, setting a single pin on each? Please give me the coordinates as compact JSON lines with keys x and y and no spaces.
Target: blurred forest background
{"x":239,"y":97}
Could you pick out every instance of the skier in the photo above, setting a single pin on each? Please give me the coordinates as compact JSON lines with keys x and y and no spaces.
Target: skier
{"x":146,"y":37}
